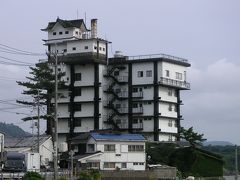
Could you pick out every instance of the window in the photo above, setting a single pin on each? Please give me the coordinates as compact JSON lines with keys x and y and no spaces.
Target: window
{"x":175,"y":93}
{"x":59,"y":69}
{"x":95,"y":47}
{"x":124,"y":165}
{"x":109,"y":147}
{"x":149,"y":102}
{"x":109,"y":165}
{"x":170,"y":91}
{"x":65,"y":50}
{"x":77,"y":122}
{"x":167,"y":73}
{"x":141,"y":164}
{"x":170,"y":107}
{"x":76,"y":32}
{"x":178,"y":75}
{"x":135,"y":105}
{"x":170,"y":138}
{"x":78,"y":91}
{"x":116,"y":73}
{"x":118,"y":155}
{"x":135,"y":90}
{"x":132,"y":148}
{"x":103,"y":49}
{"x":60,"y":32}
{"x":74,"y":48}
{"x":135,"y":163}
{"x":100,"y":48}
{"x":66,"y":32}
{"x":175,"y":108}
{"x":93,"y":165}
{"x":90,"y":147}
{"x":140,"y":73}
{"x":85,"y":47}
{"x":118,"y":106}
{"x":78,"y":77}
{"x":135,"y":121}
{"x":54,"y":33}
{"x":149,"y":73}
{"x":140,"y":89}
{"x":175,"y":124}
{"x":78,"y":107}
{"x":170,"y":123}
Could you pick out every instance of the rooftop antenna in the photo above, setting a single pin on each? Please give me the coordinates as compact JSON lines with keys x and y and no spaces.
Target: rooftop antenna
{"x":85,"y":18}
{"x":77,"y":13}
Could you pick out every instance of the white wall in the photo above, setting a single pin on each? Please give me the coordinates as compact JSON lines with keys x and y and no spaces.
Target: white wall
{"x":87,"y":124}
{"x":173,"y":68}
{"x":166,"y":137}
{"x":87,"y":73}
{"x":86,"y":111}
{"x":57,"y":28}
{"x":87,"y":94}
{"x":63,"y":126}
{"x":165,"y":125}
{"x":63,"y":111}
{"x":163,"y":109}
{"x":163,"y":93}
{"x":46,"y":152}
{"x":142,"y":67}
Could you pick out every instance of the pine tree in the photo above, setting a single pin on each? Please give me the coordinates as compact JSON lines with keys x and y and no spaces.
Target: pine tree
{"x":192,"y":137}
{"x":42,"y":80}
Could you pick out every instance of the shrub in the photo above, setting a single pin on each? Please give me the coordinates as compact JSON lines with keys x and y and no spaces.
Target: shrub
{"x":32,"y":176}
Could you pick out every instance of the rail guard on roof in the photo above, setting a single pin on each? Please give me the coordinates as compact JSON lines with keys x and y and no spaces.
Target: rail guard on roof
{"x":152,"y":56}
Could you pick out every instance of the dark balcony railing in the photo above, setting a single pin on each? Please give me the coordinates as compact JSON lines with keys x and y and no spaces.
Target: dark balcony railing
{"x":176,"y":83}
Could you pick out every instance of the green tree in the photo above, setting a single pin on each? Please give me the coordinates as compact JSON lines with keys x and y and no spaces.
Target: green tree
{"x":192,"y":137}
{"x":42,"y":81}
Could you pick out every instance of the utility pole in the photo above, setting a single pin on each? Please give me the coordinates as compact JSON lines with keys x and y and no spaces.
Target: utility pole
{"x":71,"y":153}
{"x":56,"y":121}
{"x":38,"y":122}
{"x":236,"y":162}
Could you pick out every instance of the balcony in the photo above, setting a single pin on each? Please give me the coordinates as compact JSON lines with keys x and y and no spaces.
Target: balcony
{"x":137,"y":126}
{"x":137,"y":94}
{"x":174,"y":83}
{"x":138,"y":110}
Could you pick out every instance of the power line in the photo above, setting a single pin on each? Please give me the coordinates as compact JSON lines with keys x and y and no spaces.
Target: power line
{"x":19,"y":50}
{"x":13,"y":60}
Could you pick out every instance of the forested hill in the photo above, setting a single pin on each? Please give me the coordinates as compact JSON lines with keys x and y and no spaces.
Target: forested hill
{"x":12,"y":130}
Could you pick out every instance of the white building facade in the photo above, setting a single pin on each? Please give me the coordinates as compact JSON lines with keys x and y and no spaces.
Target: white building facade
{"x":114,"y":151}
{"x":138,"y":94}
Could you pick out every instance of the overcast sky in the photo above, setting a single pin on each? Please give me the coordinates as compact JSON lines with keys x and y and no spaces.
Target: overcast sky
{"x":206,"y":32}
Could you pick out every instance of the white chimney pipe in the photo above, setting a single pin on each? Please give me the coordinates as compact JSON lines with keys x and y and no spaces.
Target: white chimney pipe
{"x":93,"y":28}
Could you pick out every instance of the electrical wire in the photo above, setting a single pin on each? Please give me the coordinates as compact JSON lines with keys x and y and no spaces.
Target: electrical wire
{"x":19,"y":50}
{"x":13,"y":60}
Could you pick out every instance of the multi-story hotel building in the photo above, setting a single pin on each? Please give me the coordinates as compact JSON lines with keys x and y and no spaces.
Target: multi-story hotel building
{"x":136,"y":94}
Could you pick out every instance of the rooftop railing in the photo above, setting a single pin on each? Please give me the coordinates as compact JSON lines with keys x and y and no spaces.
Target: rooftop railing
{"x":153,"y":56}
{"x":176,"y":83}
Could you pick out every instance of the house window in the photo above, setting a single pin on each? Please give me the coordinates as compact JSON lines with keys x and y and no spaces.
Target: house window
{"x":60,"y":32}
{"x":149,"y":102}
{"x":132,"y":148}
{"x":149,"y":73}
{"x":109,"y":165}
{"x":93,"y":165}
{"x":135,"y":105}
{"x":175,"y":93}
{"x":77,"y":122}
{"x":109,"y":147}
{"x":76,"y":32}
{"x":78,"y":77}
{"x":135,"y":121}
{"x":170,"y":123}
{"x":103,"y":49}
{"x":170,"y":91}
{"x":118,"y":106}
{"x":100,"y":48}
{"x":78,"y":107}
{"x":85,"y":47}
{"x":54,"y":33}
{"x":141,"y":164}
{"x":78,"y":91}
{"x":116,"y":73}
{"x":65,"y":50}
{"x":135,"y":90}
{"x":74,"y":48}
{"x":95,"y":47}
{"x":178,"y":75}
{"x":175,"y":108}
{"x":170,"y":107}
{"x":175,"y":124}
{"x":170,"y":138}
{"x":135,"y":163}
{"x":124,"y":165}
{"x":90,"y":147}
{"x":167,"y":73}
{"x":66,"y":32}
{"x":140,"y":73}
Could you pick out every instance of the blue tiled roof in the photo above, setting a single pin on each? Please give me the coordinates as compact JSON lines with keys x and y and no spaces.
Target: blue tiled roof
{"x":118,"y":137}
